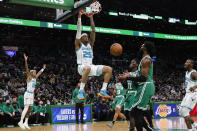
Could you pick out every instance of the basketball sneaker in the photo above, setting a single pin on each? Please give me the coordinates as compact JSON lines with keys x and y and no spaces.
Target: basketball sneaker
{"x":82,"y":122}
{"x":110,"y":125}
{"x":80,"y":95}
{"x":26,"y":126}
{"x":103,"y":93}
{"x":194,"y":126}
{"x":21,"y":126}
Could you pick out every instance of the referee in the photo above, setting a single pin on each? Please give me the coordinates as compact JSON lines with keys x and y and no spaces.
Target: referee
{"x":79,"y":104}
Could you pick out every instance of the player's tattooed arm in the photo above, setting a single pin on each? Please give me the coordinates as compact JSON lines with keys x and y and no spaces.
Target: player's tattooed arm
{"x":146,"y":63}
{"x":78,"y":35}
{"x":194,"y":77}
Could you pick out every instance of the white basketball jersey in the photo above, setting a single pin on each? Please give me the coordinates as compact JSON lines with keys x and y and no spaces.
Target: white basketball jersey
{"x":31,"y":85}
{"x":84,"y":55}
{"x":189,"y":82}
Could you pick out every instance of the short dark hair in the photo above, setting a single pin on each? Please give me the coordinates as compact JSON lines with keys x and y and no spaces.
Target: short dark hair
{"x":136,"y":60}
{"x":192,"y":60}
{"x":150,"y":47}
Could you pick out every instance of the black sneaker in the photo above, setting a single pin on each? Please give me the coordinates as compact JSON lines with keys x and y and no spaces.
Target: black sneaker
{"x":131,"y":129}
{"x":82,"y":122}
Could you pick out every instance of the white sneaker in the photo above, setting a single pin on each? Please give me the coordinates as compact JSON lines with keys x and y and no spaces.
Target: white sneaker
{"x":26,"y":126}
{"x":110,"y":125}
{"x":128,"y":122}
{"x":194,"y":126}
{"x":20,"y":124}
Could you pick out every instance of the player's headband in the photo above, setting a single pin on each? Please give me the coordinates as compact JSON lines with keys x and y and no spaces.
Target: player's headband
{"x":84,"y":34}
{"x":32,"y":70}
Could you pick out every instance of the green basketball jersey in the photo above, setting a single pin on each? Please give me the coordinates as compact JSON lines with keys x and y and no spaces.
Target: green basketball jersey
{"x":120,"y":91}
{"x":130,"y":85}
{"x":150,"y":73}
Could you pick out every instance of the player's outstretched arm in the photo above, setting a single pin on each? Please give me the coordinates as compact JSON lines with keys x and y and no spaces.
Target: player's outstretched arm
{"x":194,"y":77}
{"x":146,"y":63}
{"x":124,"y":76}
{"x":93,"y":34}
{"x":78,"y":35}
{"x":26,"y":65}
{"x":40,"y":72}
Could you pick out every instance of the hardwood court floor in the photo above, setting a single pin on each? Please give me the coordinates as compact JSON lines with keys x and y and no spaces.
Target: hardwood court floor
{"x":170,"y":124}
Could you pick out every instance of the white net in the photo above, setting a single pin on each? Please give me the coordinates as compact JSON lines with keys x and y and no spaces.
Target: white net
{"x":94,"y":8}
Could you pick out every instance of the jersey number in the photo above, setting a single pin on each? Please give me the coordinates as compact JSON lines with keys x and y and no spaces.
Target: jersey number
{"x":87,"y":54}
{"x":118,"y":92}
{"x":130,"y":85}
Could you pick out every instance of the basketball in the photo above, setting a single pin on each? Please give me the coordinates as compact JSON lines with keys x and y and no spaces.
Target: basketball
{"x":116,"y":49}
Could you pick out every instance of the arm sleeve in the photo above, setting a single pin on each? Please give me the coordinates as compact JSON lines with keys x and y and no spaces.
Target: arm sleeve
{"x":78,"y":36}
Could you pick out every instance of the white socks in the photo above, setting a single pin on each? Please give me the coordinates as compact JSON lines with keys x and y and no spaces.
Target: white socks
{"x":104,"y":86}
{"x":26,"y":121}
{"x":24,"y":113}
{"x":194,"y":125}
{"x":82,"y":85}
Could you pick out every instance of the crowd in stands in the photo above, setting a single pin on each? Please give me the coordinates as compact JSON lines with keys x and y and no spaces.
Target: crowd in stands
{"x":56,"y":84}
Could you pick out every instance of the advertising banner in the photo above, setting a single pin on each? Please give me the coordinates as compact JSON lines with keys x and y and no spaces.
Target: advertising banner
{"x":166,"y":110}
{"x":67,"y":114}
{"x":57,"y":4}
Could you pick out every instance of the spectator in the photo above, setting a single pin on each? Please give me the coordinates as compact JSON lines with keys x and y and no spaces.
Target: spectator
{"x":8,"y":110}
{"x":105,"y":110}
{"x":21,"y":101}
{"x":17,"y":115}
{"x":98,"y":110}
{"x":39,"y":114}
{"x":2,"y":116}
{"x":79,"y":104}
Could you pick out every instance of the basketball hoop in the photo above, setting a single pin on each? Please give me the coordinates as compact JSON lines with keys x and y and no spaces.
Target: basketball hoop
{"x":94,"y":8}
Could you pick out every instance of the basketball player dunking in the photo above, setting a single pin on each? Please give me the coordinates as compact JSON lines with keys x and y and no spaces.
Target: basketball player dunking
{"x":29,"y":94}
{"x":190,"y":99}
{"x":84,"y":51}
